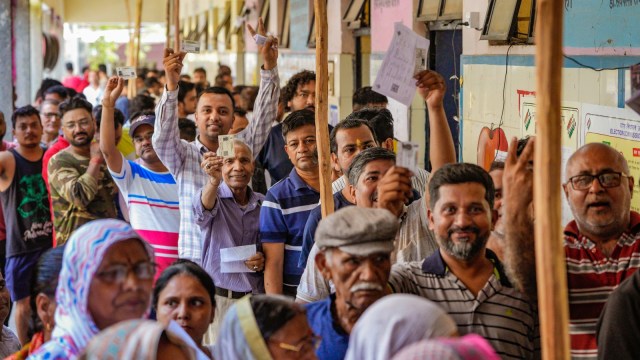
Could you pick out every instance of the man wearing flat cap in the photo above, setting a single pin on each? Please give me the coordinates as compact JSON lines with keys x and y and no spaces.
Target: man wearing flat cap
{"x":355,"y":253}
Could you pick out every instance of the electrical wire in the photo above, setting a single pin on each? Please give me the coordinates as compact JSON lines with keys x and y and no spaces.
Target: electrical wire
{"x":504,"y":97}
{"x":597,"y":69}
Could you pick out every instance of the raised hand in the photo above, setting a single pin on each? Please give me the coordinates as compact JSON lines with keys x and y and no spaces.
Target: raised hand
{"x":268,"y":51}
{"x":172,"y":63}
{"x":395,"y":190}
{"x":431,"y":87}
{"x":212,"y":166}
{"x":112,"y":91}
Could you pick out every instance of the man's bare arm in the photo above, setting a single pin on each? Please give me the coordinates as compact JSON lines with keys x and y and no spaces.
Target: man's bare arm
{"x":519,"y":247}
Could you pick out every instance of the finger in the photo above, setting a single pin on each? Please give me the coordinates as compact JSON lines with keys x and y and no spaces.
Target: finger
{"x":120,"y":84}
{"x":527,"y":153}
{"x":252,"y":31}
{"x":512,"y":157}
{"x":261,"y":26}
{"x":167,"y":52}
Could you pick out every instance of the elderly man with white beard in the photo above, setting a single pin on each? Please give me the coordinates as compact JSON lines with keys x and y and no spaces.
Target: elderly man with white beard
{"x":355,"y":253}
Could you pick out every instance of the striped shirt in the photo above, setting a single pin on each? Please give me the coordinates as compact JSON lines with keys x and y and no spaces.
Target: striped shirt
{"x":418,"y":181}
{"x":591,"y":277}
{"x":283,"y":217}
{"x":154,"y":212}
{"x":414,"y":242}
{"x":500,"y":313}
{"x":183,"y":158}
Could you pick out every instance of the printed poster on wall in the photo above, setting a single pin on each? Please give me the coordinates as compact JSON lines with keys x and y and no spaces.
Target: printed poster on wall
{"x":570,"y":116}
{"x":619,"y":128}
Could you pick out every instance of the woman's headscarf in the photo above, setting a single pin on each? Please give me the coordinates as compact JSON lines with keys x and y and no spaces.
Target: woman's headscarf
{"x":133,"y":340}
{"x":83,"y":254}
{"x":394,"y":322}
{"x":468,"y":347}
{"x":240,"y":337}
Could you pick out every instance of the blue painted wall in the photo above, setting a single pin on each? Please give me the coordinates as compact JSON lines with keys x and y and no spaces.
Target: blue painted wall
{"x":601,"y":24}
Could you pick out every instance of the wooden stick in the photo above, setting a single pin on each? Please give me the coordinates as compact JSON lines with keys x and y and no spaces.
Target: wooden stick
{"x":176,"y":25}
{"x":131,"y":85}
{"x":550,"y":259}
{"x":137,"y":33}
{"x":167,"y":42}
{"x":322,"y":107}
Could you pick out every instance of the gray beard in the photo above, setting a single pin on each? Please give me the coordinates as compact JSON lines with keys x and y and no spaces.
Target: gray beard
{"x":463,"y":251}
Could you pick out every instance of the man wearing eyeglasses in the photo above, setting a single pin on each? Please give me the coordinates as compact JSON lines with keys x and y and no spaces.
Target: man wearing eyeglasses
{"x":147,"y":186}
{"x":601,"y":245}
{"x":81,"y":188}
{"x":50,"y":118}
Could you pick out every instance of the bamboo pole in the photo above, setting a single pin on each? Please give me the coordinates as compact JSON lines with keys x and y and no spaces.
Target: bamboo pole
{"x":131,"y":85}
{"x":176,"y":25}
{"x":322,"y":110}
{"x":167,"y":41}
{"x":137,"y":33}
{"x":550,"y":260}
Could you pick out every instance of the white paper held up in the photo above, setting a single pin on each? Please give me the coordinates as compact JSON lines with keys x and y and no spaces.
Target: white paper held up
{"x":407,"y":54}
{"x":232,"y":259}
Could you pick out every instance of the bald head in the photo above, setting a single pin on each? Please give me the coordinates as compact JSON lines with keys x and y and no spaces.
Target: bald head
{"x":601,"y":210}
{"x":592,"y":152}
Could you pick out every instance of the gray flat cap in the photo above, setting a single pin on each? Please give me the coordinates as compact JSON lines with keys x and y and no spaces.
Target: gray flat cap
{"x":358,"y":231}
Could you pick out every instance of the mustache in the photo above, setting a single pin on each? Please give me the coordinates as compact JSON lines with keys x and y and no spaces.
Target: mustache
{"x":472,"y":229}
{"x":365,"y":285}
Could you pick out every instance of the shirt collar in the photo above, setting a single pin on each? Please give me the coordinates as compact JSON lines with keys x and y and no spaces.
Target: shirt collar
{"x":201,"y":147}
{"x":571,"y":230}
{"x":435,"y":265}
{"x":225,"y":193}
{"x":297,"y":181}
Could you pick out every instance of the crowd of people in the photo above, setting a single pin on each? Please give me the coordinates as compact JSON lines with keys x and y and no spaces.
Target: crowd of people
{"x":128,"y":234}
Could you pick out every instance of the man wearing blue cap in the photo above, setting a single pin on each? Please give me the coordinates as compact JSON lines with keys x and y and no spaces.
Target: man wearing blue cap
{"x":146,"y":185}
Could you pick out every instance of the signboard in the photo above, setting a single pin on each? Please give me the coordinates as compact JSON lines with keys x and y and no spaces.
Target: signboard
{"x":619,"y":128}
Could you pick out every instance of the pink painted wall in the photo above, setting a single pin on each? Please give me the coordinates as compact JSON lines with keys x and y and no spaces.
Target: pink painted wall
{"x":384,"y":13}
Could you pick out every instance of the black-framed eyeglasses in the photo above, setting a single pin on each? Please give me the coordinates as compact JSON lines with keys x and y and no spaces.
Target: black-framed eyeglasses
{"x":116,"y":274}
{"x":309,"y":343}
{"x":608,"y":179}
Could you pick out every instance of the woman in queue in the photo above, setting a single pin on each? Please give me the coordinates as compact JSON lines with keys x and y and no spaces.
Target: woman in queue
{"x":106,"y":277}
{"x":43,"y":301}
{"x":184,"y":292}
{"x":266,"y":327}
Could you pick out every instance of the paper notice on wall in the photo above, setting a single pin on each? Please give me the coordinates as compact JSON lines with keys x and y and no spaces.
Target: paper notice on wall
{"x":407,"y":53}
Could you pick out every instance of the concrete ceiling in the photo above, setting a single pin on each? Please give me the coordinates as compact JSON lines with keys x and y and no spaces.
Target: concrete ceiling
{"x":113,"y":11}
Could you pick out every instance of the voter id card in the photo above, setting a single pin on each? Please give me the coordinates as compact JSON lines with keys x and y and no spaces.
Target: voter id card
{"x":421,"y":60}
{"x":407,"y":156}
{"x":225,"y":146}
{"x":190,"y":46}
{"x":126,"y":72}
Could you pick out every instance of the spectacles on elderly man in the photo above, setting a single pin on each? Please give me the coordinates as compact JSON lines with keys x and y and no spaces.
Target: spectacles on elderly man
{"x":116,"y":274}
{"x":607,"y":179}
{"x":309,"y":343}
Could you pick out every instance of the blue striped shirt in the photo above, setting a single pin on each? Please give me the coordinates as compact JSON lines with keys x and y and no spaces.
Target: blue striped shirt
{"x":282,"y":219}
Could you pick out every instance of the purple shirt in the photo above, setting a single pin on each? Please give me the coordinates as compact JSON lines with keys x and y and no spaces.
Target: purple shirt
{"x":228,"y":225}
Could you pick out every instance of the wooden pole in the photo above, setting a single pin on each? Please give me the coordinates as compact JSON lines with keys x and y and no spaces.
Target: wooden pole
{"x":137,"y":33}
{"x":550,"y":259}
{"x":322,"y":110}
{"x":176,"y":25}
{"x":167,"y":41}
{"x":131,"y":85}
